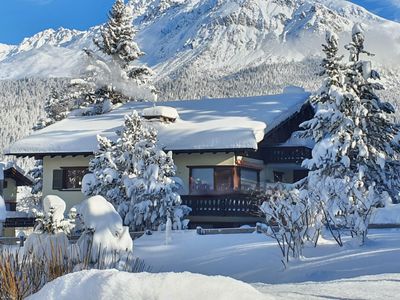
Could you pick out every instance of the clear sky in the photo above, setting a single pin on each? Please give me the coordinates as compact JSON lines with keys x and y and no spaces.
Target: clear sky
{"x":24,"y":18}
{"x":389,"y":9}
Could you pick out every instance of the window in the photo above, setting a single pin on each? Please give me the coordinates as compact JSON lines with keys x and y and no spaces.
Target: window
{"x":201,"y":181}
{"x":278,"y":176}
{"x":249,"y":179}
{"x":222,"y":180}
{"x":69,"y":178}
{"x":11,"y":206}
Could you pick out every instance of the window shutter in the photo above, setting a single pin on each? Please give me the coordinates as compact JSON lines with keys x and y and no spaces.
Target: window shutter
{"x":58,"y":179}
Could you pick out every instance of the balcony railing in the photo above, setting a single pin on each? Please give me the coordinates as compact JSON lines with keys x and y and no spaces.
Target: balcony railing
{"x":19,"y":222}
{"x":231,"y":205}
{"x":286,"y":154}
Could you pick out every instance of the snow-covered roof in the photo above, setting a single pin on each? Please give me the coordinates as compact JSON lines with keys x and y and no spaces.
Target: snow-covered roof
{"x":217,"y":124}
{"x":11,"y":170}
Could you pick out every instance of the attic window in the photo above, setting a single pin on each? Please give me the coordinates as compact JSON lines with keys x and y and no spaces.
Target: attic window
{"x":165,"y":114}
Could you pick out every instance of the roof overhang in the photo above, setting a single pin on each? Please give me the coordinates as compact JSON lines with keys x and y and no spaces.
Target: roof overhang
{"x":179,"y":151}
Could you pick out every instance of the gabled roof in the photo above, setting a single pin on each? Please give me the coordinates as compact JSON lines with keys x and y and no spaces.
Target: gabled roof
{"x":13,"y":171}
{"x":217,"y":124}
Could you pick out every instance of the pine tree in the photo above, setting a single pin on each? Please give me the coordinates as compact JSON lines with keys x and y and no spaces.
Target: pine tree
{"x":111,"y":78}
{"x":118,"y":35}
{"x":77,"y":95}
{"x":56,"y":108}
{"x":354,"y":134}
{"x":137,"y":177}
{"x":117,"y":41}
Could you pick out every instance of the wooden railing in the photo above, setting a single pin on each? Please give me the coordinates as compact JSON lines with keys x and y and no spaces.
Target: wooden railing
{"x":232,"y":205}
{"x":286,"y":154}
{"x":19,"y":222}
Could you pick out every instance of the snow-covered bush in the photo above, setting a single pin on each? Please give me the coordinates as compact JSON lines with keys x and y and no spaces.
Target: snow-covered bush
{"x":354,"y":164}
{"x":291,"y":219}
{"x":137,"y":177}
{"x":104,"y":234}
{"x":52,"y":220}
{"x":26,"y":272}
{"x":51,"y":230}
{"x":48,"y":254}
{"x":47,"y":245}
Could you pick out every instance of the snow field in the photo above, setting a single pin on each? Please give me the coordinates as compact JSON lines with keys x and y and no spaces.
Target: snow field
{"x":350,"y":272}
{"x":257,"y":258}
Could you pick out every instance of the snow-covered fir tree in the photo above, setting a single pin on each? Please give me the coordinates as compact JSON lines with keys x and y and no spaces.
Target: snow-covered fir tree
{"x":56,"y":109}
{"x":111,"y":77}
{"x":137,"y":177}
{"x":353,"y":164}
{"x":117,"y":41}
{"x":74,"y":96}
{"x":117,"y":35}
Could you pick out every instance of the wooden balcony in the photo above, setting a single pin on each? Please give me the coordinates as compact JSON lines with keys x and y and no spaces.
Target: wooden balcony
{"x":286,"y":154}
{"x":228,"y":205}
{"x":19,"y":222}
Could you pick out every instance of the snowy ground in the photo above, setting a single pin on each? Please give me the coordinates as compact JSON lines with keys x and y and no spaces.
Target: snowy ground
{"x":385,"y":286}
{"x":326,"y":272}
{"x":256,"y":258}
{"x":112,"y":284}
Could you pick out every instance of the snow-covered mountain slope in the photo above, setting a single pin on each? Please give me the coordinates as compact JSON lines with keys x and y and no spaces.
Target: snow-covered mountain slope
{"x":46,"y":61}
{"x":204,"y":48}
{"x":218,"y":36}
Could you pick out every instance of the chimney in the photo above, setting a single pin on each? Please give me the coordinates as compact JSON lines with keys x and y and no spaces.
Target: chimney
{"x":163,"y":114}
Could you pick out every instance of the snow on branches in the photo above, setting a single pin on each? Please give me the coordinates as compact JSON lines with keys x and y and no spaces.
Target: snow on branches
{"x":117,"y":35}
{"x":354,"y":162}
{"x":137,"y":177}
{"x":111,"y":76}
{"x":289,"y":220}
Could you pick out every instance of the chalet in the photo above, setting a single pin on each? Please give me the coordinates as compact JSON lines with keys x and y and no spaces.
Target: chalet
{"x":222,"y":148}
{"x":11,"y":178}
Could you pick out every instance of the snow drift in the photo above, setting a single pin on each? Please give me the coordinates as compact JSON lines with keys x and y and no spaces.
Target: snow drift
{"x":112,"y":284}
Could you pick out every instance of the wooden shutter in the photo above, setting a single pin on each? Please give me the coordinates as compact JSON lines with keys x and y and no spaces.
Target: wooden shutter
{"x":58,"y":179}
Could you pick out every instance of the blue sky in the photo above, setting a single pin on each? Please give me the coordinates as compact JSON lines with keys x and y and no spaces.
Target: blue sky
{"x":389,"y":9}
{"x":23,"y":18}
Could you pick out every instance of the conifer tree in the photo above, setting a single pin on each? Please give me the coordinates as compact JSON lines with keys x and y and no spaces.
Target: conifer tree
{"x":137,"y":177}
{"x":352,"y":169}
{"x":118,"y":35}
{"x":110,"y":79}
{"x":117,"y":41}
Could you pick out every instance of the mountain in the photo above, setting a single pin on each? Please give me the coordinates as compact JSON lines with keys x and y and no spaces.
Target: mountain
{"x":217,"y":36}
{"x":213,"y":48}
